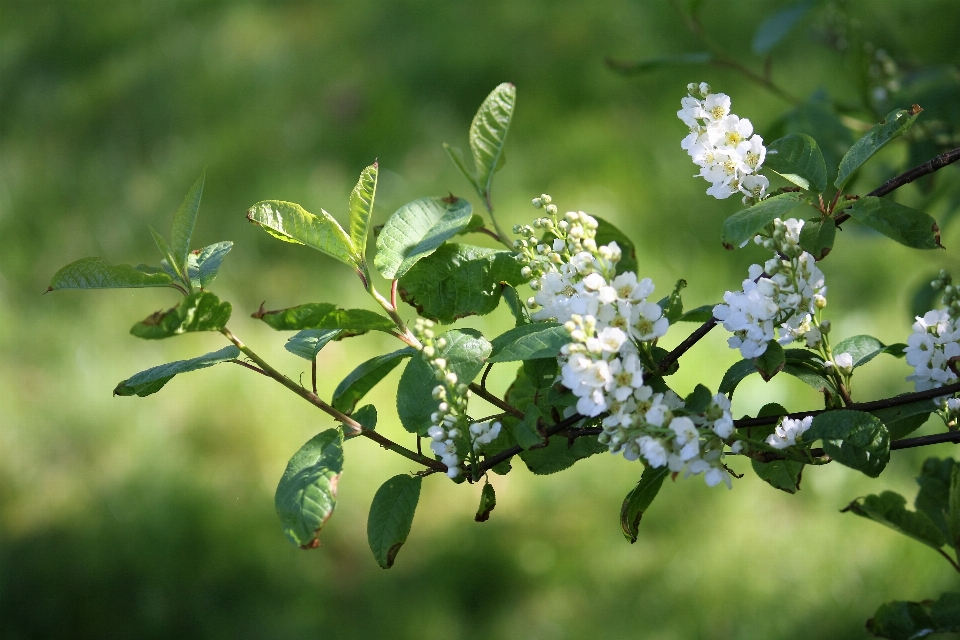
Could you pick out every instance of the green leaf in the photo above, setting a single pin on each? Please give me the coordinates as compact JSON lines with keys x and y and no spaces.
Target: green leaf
{"x":291,"y":223}
{"x":488,"y":500}
{"x":817,"y":237}
{"x":94,"y":273}
{"x":559,"y":454}
{"x":898,"y":350}
{"x":361,"y":208}
{"x":365,"y":377}
{"x":366,"y":416}
{"x":798,"y":159}
{"x":527,"y":431}
{"x":152,"y":380}
{"x":935,"y":480}
{"x":488,"y":132}
{"x":770,"y":362}
{"x":953,"y":510}
{"x":466,"y":352}
{"x":183,"y":222}
{"x":639,"y":500}
{"x":811,"y":375}
{"x":529,"y":342}
{"x":516,"y":305}
{"x":416,"y":230}
{"x":167,"y":253}
{"x":853,"y":438}
{"x":323,"y":315}
{"x":475,"y":224}
{"x":735,"y":374}
{"x":307,"y":493}
{"x":907,"y":226}
{"x":607,"y":233}
{"x":780,"y":474}
{"x":700,"y":314}
{"x":904,"y":419}
{"x":391,"y":516}
{"x":672,"y":305}
{"x":698,"y":400}
{"x":459,"y":280}
{"x":200,"y":311}
{"x":889,"y":509}
{"x":307,"y":343}
{"x":456,"y":154}
{"x":893,"y":126}
{"x":204,"y":264}
{"x":910,"y":620}
{"x":862,"y":348}
{"x":743,"y":225}
{"x":773,"y":29}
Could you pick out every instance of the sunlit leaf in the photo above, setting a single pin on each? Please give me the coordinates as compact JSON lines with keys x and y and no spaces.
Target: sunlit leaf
{"x":529,"y":342}
{"x":290,"y":222}
{"x":361,"y":208}
{"x":200,"y":311}
{"x":307,"y":493}
{"x":94,"y":273}
{"x":152,"y":380}
{"x":416,"y":230}
{"x":488,"y":133}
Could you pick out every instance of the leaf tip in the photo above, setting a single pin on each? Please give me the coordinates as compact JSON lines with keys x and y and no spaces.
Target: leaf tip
{"x":392,"y":555}
{"x":259,"y":313}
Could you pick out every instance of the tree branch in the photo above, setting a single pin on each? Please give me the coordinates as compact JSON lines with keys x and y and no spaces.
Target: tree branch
{"x":686,"y":345}
{"x":495,"y":401}
{"x":894,"y":183}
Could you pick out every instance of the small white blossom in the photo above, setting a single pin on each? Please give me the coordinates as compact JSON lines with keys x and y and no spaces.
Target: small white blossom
{"x":788,"y":431}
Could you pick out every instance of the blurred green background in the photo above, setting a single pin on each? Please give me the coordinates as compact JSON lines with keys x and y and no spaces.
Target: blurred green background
{"x":153,"y":518}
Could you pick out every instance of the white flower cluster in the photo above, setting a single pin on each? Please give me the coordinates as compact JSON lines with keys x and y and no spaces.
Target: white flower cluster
{"x":611,"y":323}
{"x":785,"y":293}
{"x":722,"y":145}
{"x":787,"y":432}
{"x":934,"y":346}
{"x":450,"y":439}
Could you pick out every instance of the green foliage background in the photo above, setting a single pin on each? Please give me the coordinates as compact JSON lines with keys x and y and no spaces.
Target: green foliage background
{"x":154,"y":517}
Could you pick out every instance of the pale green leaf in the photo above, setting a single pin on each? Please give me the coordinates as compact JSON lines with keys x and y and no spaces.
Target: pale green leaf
{"x":308,"y":342}
{"x":323,"y":315}
{"x":456,"y":154}
{"x":416,"y":230}
{"x":488,"y":132}
{"x":863,"y":349}
{"x":204,"y":265}
{"x":361,"y":208}
{"x":94,"y":273}
{"x":290,"y":222}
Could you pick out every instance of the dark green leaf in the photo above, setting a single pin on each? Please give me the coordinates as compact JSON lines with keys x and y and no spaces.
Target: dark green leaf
{"x":735,"y":374}
{"x":527,"y":432}
{"x":152,"y":380}
{"x":456,"y":154}
{"x":516,"y":305}
{"x":672,"y":305}
{"x":771,"y":361}
{"x":183,"y":222}
{"x":889,"y":509}
{"x":853,"y":438}
{"x":307,"y":493}
{"x":817,"y":237}
{"x":907,"y":226}
{"x":416,"y":230}
{"x":780,"y":474}
{"x":953,"y":510}
{"x":366,"y":416}
{"x":811,"y":375}
{"x":361,"y":208}
{"x":607,"y":233}
{"x":291,"y":223}
{"x":743,"y":225}
{"x":776,"y":26}
{"x":797,"y":158}
{"x":365,"y":377}
{"x":933,"y":499}
{"x":639,"y":500}
{"x":488,"y":500}
{"x":898,"y":350}
{"x":893,"y":126}
{"x":459,"y":280}
{"x":475,"y":224}
{"x":698,"y":400}
{"x":529,"y":342}
{"x":904,"y":419}
{"x":559,"y":454}
{"x":391,"y":516}
{"x":466,"y":352}
{"x":200,"y":311}
{"x":700,"y":314}
{"x":323,"y":315}
{"x":862,"y":348}
{"x":94,"y":273}
{"x":307,"y":343}
{"x":911,"y":620}
{"x":488,"y":133}
{"x":204,"y":264}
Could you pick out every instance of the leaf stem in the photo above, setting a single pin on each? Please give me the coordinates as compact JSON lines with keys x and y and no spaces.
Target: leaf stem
{"x":495,"y":401}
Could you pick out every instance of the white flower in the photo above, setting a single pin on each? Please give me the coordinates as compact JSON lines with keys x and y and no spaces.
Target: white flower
{"x":786,"y":433}
{"x":844,"y":363}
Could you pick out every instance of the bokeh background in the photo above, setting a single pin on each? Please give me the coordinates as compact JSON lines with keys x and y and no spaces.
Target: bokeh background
{"x":153,"y":518}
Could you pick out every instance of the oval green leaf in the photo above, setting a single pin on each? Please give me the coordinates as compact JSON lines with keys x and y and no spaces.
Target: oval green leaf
{"x":290,"y":222}
{"x":365,"y":377}
{"x":323,"y":315}
{"x":308,"y":343}
{"x":391,"y":517}
{"x":529,"y":342}
{"x":798,"y":159}
{"x":307,"y":493}
{"x":152,"y":380}
{"x":817,"y":237}
{"x":639,"y":500}
{"x":907,"y":226}
{"x":863,"y":349}
{"x":743,"y":225}
{"x":183,"y":223}
{"x":416,"y":230}
{"x":200,"y":311}
{"x":853,"y":438}
{"x":893,"y":126}
{"x":488,"y":133}
{"x":361,"y":208}
{"x":94,"y":273}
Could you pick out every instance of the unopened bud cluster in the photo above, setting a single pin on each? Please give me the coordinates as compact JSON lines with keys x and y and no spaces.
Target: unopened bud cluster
{"x":784,"y":294}
{"x":451,"y":437}
{"x":722,"y":145}
{"x":610,"y":320}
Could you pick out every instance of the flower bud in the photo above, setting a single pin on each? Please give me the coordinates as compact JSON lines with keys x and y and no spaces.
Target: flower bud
{"x":825,"y":327}
{"x":819,"y":301}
